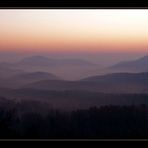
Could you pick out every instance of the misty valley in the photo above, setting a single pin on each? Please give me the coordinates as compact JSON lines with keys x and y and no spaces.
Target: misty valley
{"x":42,"y":98}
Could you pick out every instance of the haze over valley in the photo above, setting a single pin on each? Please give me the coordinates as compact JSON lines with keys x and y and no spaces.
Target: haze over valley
{"x":38,"y":77}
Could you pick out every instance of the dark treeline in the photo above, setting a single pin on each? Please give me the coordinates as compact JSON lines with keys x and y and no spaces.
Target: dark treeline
{"x":103,"y":122}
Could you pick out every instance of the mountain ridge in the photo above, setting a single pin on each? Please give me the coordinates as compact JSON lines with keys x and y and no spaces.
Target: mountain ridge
{"x":137,"y":65}
{"x":111,"y":83}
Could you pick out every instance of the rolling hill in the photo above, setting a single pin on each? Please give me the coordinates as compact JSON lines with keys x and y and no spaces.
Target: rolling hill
{"x":110,"y":83}
{"x":138,"y":65}
{"x":69,"y":69}
{"x":26,"y":78}
{"x":45,"y":61}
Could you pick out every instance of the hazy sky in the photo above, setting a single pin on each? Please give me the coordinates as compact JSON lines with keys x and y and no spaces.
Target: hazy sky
{"x":74,"y":31}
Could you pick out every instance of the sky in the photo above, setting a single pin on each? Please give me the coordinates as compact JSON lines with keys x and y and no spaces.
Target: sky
{"x":74,"y":31}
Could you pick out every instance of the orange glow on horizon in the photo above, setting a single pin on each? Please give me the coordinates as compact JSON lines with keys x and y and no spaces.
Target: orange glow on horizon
{"x":74,"y":30}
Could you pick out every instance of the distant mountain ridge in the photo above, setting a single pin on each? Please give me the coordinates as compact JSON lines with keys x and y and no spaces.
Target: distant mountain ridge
{"x":70,"y":69}
{"x":19,"y":80}
{"x":138,"y":65}
{"x":121,"y":76}
{"x":110,"y":83}
{"x":45,"y":61}
{"x":35,"y":75}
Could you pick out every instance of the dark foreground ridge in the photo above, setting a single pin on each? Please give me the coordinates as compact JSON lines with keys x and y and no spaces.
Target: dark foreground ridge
{"x":20,"y":120}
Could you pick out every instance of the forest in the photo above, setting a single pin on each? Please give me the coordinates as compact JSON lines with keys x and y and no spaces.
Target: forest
{"x":18,"y":121}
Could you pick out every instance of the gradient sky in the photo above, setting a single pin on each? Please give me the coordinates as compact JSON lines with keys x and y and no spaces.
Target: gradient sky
{"x":74,"y":30}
